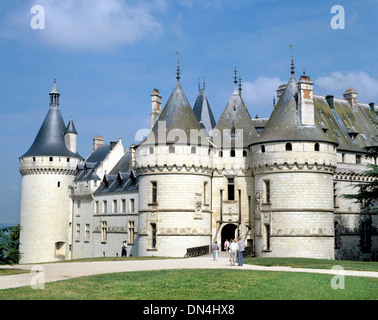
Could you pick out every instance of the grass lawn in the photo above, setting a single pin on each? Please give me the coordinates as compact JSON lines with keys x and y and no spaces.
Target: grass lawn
{"x":8,"y":272}
{"x":313,"y":263}
{"x":200,"y":284}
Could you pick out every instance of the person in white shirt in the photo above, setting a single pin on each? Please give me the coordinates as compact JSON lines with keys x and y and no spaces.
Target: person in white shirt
{"x":234,"y":248}
{"x":226,"y":245}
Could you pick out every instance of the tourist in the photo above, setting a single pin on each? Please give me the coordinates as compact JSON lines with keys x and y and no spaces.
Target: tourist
{"x":241,"y":245}
{"x":234,"y":247}
{"x":124,"y":249}
{"x":215,"y":250}
{"x":226,"y":245}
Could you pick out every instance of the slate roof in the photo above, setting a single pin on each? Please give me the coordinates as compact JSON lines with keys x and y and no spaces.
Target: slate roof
{"x":121,"y":178}
{"x":235,"y":116}
{"x":284,"y":123}
{"x":87,"y":170}
{"x":203,"y":112}
{"x":50,"y":138}
{"x":177,"y":114}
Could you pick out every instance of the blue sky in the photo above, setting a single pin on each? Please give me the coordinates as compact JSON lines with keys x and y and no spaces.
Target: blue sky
{"x":109,"y":55}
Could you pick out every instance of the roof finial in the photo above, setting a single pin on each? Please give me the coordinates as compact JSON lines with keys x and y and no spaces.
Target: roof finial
{"x":240,"y":84}
{"x":178,"y":66}
{"x":304,"y":71}
{"x":235,"y":77}
{"x":292,"y":59}
{"x":274,"y":101}
{"x":204,"y":84}
{"x":199,"y":85}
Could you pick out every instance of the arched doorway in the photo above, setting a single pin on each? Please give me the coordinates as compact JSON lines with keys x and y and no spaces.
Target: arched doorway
{"x":229,"y":232}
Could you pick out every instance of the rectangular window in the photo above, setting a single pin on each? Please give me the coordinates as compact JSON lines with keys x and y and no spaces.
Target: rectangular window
{"x":58,"y":184}
{"x":154,"y":191}
{"x":77,"y":237}
{"x":231,"y":189}
{"x":205,"y":193}
{"x":96,"y":207}
{"x":266,"y":193}
{"x":131,"y":232}
{"x":335,"y":201}
{"x":153,"y":235}
{"x":104,"y":206}
{"x":104,"y":229}
{"x":132,"y":205}
{"x":358,"y":159}
{"x":87,"y":232}
{"x":123,"y":205}
{"x":114,"y":206}
{"x":267,"y":237}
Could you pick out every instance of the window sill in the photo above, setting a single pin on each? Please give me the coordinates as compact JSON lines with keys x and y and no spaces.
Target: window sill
{"x":152,"y":249}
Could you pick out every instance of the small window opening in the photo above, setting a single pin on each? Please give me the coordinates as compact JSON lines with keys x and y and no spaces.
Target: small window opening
{"x":288,"y":147}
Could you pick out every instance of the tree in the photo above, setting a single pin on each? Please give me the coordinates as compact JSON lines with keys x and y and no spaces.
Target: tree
{"x":9,"y":245}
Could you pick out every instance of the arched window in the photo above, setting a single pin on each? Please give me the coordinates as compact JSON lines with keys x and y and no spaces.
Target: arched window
{"x":232,"y":153}
{"x":193,"y":150}
{"x":244,"y":153}
{"x":288,"y":147}
{"x":262,"y":149}
{"x":171,"y":149}
{"x":316,"y":147}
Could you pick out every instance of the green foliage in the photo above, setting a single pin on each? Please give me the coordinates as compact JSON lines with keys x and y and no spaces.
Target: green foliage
{"x":367,"y":196}
{"x":9,"y":245}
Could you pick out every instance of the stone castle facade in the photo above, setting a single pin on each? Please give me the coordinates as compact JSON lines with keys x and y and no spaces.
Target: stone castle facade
{"x":277,"y":183}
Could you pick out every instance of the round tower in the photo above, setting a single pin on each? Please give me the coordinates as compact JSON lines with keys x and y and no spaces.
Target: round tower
{"x":48,"y":169}
{"x":293,"y":163}
{"x":174,"y":169}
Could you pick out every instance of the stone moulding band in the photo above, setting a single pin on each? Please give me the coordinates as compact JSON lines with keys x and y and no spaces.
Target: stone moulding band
{"x":70,"y":172}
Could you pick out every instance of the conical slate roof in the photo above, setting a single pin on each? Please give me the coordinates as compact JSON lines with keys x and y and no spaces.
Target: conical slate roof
{"x":235,"y":117}
{"x":203,"y":112}
{"x":177,"y":114}
{"x":50,"y":138}
{"x":71,"y":127}
{"x":284,"y":123}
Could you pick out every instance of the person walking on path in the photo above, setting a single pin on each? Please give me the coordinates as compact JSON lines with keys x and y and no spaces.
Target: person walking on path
{"x":226,"y":245}
{"x":215,"y":250}
{"x":124,"y":249}
{"x":241,"y":250}
{"x":234,"y":247}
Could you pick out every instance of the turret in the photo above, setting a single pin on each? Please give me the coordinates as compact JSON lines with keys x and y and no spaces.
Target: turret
{"x":293,"y":162}
{"x":174,"y":170}
{"x":70,"y":136}
{"x":48,"y":169}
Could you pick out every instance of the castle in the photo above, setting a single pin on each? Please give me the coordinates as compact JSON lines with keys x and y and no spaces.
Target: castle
{"x":277,"y":183}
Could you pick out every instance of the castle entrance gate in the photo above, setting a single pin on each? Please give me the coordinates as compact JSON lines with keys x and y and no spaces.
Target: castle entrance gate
{"x":229,"y":231}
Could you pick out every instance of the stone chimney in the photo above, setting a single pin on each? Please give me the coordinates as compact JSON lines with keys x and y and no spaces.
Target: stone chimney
{"x":306,"y":101}
{"x":97,"y":141}
{"x":351,"y":95}
{"x":155,"y":106}
{"x":280,"y":91}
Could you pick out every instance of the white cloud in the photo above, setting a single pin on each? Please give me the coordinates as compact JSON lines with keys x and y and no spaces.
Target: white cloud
{"x":258,"y":95}
{"x":337,"y":82}
{"x":90,"y":24}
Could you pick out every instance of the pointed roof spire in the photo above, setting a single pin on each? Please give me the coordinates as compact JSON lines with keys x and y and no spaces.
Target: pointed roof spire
{"x":54,"y":90}
{"x":203,"y":111}
{"x":292,"y":59}
{"x":71,"y":127}
{"x":235,"y":77}
{"x":240,"y":84}
{"x":178,"y":66}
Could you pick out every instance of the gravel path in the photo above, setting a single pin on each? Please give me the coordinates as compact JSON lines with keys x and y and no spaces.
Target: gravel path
{"x":62,"y":271}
